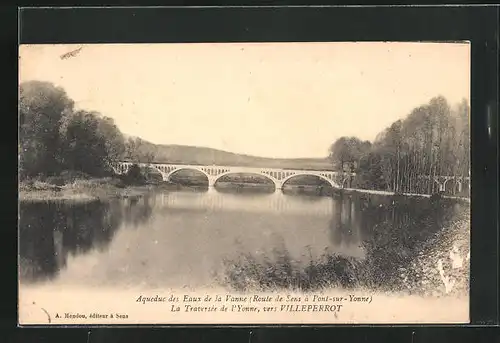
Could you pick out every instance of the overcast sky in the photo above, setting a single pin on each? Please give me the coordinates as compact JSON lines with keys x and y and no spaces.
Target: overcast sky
{"x":272,"y":100}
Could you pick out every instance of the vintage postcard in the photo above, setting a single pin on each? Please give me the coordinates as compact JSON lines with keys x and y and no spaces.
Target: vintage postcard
{"x":244,"y":183}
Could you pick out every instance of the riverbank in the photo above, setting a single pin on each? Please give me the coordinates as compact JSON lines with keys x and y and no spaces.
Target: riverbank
{"x":442,"y":266}
{"x":409,"y":195}
{"x":435,"y":265}
{"x":82,"y":190}
{"x":78,"y":190}
{"x":89,"y":189}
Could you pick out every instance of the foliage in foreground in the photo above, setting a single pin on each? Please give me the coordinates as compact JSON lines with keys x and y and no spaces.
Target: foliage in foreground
{"x":421,"y":265}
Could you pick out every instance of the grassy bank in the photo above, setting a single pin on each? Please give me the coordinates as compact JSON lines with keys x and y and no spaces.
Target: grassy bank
{"x":405,"y":195}
{"x":78,"y":186}
{"x":442,"y":264}
{"x":79,"y":189}
{"x":439,"y":266}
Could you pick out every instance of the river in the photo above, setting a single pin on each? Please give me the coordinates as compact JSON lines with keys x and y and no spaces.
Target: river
{"x":237,"y":240}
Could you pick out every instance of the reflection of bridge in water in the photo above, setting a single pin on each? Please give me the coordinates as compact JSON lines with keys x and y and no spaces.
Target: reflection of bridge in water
{"x":340,"y":214}
{"x":277,"y":203}
{"x":213,"y":173}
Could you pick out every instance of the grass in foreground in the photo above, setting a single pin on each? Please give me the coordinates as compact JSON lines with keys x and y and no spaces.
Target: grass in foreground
{"x":77,"y":187}
{"x":438,"y":267}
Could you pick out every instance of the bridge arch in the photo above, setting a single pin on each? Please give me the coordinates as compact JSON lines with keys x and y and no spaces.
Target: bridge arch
{"x":452,"y":186}
{"x":121,"y":167}
{"x":159,"y":170}
{"x":168,"y":175}
{"x":435,"y":184}
{"x":345,"y":183}
{"x":465,"y":191}
{"x":275,"y":182}
{"x":330,"y":182}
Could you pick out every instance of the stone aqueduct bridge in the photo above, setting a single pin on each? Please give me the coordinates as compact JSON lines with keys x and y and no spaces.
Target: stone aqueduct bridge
{"x":214,"y":173}
{"x":280,"y":176}
{"x":442,"y":181}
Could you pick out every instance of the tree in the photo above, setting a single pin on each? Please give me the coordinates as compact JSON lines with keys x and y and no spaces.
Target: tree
{"x":90,"y":142}
{"x":138,"y":150}
{"x":347,"y":151}
{"x":113,"y":138}
{"x":53,"y":137}
{"x":84,"y":149}
{"x":432,"y":140}
{"x":370,"y":173}
{"x":134,"y":174}
{"x":41,"y":108}
{"x":462,"y":142}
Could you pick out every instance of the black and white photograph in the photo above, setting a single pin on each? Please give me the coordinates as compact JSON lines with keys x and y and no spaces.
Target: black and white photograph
{"x":244,"y":183}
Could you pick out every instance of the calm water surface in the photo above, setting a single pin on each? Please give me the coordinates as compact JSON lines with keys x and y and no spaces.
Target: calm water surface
{"x":185,"y":239}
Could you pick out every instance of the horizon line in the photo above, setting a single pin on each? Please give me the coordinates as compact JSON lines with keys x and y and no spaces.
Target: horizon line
{"x":225,"y":151}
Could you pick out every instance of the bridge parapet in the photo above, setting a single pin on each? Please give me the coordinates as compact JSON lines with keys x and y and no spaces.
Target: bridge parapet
{"x":445,"y":178}
{"x":442,"y":181}
{"x":213,"y":173}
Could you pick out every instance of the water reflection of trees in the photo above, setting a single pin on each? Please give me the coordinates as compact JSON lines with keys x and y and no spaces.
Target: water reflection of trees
{"x":393,"y":230}
{"x":137,"y":211}
{"x":344,"y":225}
{"x":49,"y":231}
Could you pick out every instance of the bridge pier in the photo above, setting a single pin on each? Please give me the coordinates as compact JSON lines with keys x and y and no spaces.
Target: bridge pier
{"x":211,"y":182}
{"x":165,"y":177}
{"x":211,"y":189}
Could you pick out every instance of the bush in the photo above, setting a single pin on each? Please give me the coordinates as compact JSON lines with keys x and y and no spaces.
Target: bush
{"x":134,"y":175}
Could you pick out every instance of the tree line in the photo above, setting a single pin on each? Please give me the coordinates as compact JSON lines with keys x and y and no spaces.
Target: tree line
{"x":433,"y":140}
{"x":55,"y":136}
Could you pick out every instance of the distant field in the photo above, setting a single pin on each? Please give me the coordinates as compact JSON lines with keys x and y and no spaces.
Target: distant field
{"x":208,"y":156}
